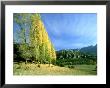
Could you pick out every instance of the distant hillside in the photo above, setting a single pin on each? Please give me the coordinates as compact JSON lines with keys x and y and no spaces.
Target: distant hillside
{"x":85,"y":55}
{"x":89,"y":50}
{"x":78,"y":53}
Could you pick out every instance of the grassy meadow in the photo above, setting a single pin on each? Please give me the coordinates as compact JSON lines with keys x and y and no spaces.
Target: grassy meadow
{"x":45,"y":69}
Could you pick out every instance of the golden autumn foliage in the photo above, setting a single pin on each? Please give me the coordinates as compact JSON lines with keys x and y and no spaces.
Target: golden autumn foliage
{"x":43,"y":49}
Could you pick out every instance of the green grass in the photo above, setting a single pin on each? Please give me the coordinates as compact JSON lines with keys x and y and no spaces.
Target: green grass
{"x":45,"y":69}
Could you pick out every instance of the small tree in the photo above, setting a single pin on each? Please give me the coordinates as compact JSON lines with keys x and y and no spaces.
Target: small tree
{"x":25,"y":52}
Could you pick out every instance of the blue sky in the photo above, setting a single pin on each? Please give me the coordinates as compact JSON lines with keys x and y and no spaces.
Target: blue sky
{"x":71,"y":30}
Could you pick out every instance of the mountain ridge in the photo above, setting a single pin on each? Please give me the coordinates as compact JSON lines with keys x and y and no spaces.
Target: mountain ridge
{"x":91,"y":49}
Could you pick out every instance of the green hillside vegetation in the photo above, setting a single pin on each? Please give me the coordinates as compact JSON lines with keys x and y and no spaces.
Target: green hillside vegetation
{"x":34,"y":53}
{"x":76,"y":56}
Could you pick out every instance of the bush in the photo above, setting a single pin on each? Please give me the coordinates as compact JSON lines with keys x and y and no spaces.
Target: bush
{"x":39,"y":65}
{"x":71,"y":66}
{"x":53,"y":61}
{"x":61,"y":65}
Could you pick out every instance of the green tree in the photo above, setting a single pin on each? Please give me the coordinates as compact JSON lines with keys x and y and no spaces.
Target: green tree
{"x":21,"y":20}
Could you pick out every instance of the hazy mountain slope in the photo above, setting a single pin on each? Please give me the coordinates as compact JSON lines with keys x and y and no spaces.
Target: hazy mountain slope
{"x":89,"y":49}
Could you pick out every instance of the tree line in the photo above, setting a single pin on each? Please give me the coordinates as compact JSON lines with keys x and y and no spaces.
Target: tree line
{"x":31,"y":41}
{"x":74,"y":57}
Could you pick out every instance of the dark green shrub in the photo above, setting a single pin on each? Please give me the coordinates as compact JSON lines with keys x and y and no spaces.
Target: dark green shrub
{"x":61,"y":65}
{"x":71,"y":66}
{"x":53,"y":61}
{"x":68,"y":66}
{"x":39,"y":65}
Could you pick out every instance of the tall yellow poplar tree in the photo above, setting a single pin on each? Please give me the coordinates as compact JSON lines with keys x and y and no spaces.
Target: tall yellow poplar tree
{"x":42,"y":48}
